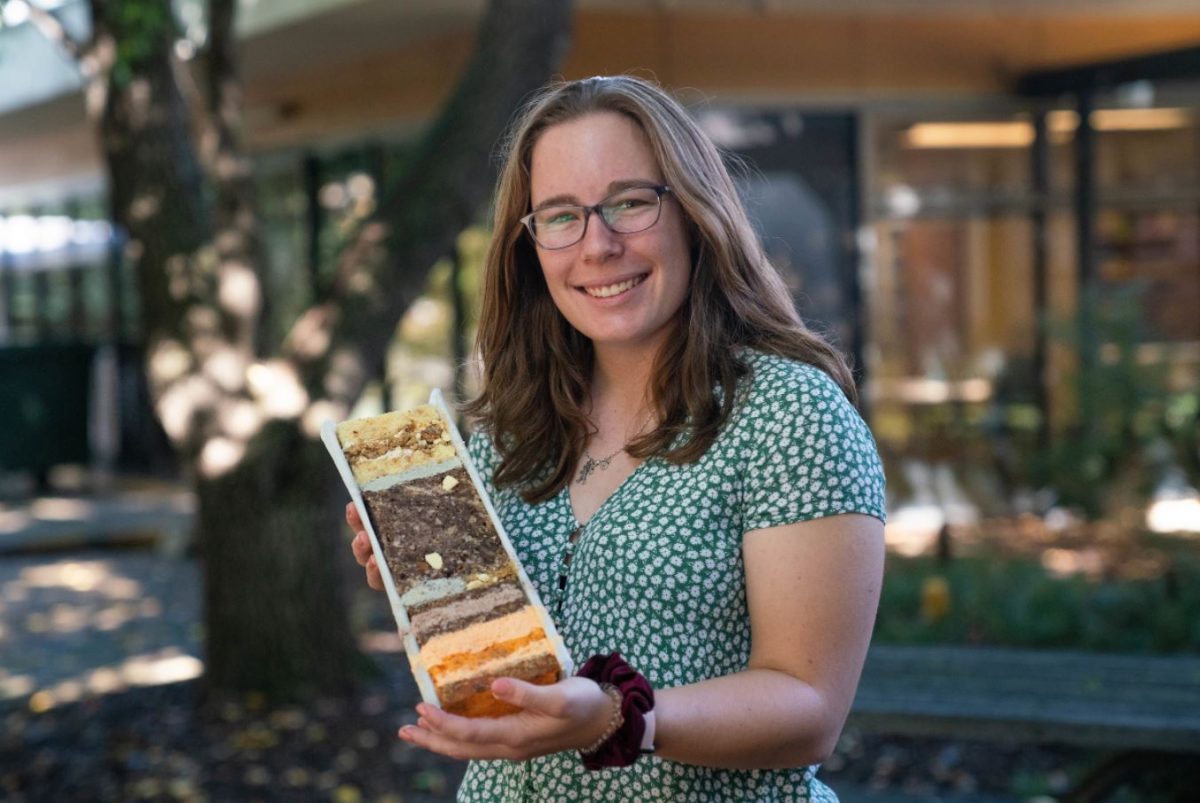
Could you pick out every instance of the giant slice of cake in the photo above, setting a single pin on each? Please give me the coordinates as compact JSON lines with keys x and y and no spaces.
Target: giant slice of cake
{"x":467,"y":611}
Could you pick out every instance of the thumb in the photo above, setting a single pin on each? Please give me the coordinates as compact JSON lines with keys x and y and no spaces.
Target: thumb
{"x":542,"y":699}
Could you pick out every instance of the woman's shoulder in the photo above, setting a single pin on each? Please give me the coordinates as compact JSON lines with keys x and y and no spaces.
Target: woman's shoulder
{"x":774,"y":380}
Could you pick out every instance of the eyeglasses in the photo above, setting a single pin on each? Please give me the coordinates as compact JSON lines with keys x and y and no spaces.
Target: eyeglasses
{"x":625,"y":212}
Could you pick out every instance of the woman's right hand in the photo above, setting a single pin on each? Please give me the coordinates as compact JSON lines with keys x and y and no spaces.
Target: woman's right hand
{"x":361,"y":545}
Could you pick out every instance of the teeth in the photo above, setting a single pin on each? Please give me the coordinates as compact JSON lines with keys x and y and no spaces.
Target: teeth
{"x":613,"y":289}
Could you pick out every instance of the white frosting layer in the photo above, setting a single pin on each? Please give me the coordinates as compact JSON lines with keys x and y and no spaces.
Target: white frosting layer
{"x":430,"y":590}
{"x":420,"y":472}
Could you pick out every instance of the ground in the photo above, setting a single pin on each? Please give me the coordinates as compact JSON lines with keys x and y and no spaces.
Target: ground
{"x":99,"y":655}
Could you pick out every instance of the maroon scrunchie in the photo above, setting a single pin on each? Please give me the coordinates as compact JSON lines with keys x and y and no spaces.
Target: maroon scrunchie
{"x":637,"y":698}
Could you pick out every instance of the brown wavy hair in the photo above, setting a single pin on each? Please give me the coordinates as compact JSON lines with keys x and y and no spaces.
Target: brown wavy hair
{"x":537,"y":367}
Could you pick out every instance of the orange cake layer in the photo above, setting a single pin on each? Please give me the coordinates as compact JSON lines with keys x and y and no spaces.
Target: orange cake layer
{"x":473,"y":697}
{"x":459,"y":653}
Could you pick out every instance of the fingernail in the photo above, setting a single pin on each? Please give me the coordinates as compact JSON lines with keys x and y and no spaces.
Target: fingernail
{"x":501,"y":688}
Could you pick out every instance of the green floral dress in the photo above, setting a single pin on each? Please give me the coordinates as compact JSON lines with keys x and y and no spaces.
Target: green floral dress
{"x":657,"y":573}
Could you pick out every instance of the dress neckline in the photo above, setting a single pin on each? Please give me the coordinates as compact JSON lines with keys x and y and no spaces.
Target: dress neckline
{"x":570,"y":504}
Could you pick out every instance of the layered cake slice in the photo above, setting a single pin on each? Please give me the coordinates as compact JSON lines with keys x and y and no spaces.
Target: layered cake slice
{"x":462,"y":602}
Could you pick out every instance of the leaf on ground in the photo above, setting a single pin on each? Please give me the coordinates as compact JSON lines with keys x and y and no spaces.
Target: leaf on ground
{"x":430,"y":781}
{"x":347,"y":794}
{"x":297,"y":776}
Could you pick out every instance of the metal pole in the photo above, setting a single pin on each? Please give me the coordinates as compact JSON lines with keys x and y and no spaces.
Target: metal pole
{"x":1085,"y":219}
{"x":1040,"y":175}
{"x":41,"y":296}
{"x":7,"y":292}
{"x":76,"y":312}
{"x":313,"y":220}
{"x":458,"y":324}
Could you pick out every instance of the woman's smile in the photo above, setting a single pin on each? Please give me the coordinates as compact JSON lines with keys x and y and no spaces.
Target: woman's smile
{"x":613,"y":289}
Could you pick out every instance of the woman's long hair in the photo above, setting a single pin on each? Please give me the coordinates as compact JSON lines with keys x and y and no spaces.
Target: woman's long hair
{"x":537,"y":367}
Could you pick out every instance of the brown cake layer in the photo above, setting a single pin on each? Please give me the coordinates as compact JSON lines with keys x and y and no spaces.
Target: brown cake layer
{"x":422,"y":517}
{"x":477,"y":605}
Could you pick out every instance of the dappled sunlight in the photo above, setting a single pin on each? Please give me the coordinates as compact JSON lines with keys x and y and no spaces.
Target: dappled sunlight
{"x":12,"y":521}
{"x":168,"y":665}
{"x":81,"y":576}
{"x":220,"y":455}
{"x":1068,"y":562}
{"x":1180,"y":515}
{"x":381,"y":641}
{"x":145,"y":207}
{"x":239,"y":418}
{"x":226,"y":367}
{"x":60,"y":509}
{"x":168,"y":361}
{"x":238,"y":289}
{"x":319,"y":412}
{"x":277,"y":389}
{"x":426,"y":315}
{"x":346,"y":373}
{"x":310,"y":336}
{"x":913,"y":529}
{"x":179,"y":402}
{"x":178,"y":282}
{"x":75,"y":628}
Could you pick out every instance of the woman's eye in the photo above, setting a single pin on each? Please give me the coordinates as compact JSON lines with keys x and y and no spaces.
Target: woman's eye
{"x":560,"y":217}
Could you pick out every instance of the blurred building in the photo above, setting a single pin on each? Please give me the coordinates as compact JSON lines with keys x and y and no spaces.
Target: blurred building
{"x":941,"y":181}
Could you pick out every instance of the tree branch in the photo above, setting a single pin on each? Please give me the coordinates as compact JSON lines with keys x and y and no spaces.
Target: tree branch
{"x":52,"y":28}
{"x":448,"y":181}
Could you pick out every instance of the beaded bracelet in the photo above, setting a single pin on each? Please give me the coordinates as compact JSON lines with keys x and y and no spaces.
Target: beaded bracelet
{"x":614,"y":723}
{"x":623,"y":743}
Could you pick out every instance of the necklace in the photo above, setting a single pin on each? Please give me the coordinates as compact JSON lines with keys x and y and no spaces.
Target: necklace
{"x":591,"y":464}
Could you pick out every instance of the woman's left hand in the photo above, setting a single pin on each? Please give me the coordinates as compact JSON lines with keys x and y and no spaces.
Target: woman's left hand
{"x":567,"y":715}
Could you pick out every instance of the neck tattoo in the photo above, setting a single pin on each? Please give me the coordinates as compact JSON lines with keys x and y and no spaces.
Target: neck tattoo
{"x":592,"y":464}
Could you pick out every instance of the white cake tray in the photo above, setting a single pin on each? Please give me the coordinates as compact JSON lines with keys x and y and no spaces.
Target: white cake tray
{"x":404,"y":627}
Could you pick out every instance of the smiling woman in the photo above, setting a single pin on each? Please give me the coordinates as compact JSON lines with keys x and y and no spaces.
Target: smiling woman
{"x":680,"y":468}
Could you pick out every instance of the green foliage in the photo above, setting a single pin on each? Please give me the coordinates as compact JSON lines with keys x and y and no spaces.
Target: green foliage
{"x":1017,"y":603}
{"x":143,"y":30}
{"x":1131,"y":423}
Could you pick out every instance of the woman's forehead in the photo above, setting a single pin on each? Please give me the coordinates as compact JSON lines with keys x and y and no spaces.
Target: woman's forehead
{"x":588,"y":154}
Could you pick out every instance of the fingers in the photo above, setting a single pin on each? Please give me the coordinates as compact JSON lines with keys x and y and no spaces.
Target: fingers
{"x":462,"y":738}
{"x":374,"y":578}
{"x":352,"y":517}
{"x":360,"y":545}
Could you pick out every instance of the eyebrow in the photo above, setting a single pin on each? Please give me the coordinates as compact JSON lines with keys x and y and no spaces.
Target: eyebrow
{"x":613,"y":187}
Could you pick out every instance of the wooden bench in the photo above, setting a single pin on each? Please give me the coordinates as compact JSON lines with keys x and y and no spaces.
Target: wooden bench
{"x":1145,"y":709}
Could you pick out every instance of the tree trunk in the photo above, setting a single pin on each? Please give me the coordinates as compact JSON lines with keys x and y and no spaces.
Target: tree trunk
{"x":268,"y":527}
{"x":275,"y":611}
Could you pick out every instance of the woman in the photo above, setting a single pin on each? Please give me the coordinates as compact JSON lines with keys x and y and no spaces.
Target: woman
{"x":678,"y":464}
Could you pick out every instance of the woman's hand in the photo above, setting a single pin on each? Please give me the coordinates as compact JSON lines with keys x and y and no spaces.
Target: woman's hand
{"x":361,"y":546}
{"x":567,"y":715}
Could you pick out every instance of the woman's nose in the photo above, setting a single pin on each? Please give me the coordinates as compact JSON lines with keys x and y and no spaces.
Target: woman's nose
{"x":599,"y":241}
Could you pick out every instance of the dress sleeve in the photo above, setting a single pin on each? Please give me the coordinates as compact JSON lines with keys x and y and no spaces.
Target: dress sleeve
{"x":807,"y":452}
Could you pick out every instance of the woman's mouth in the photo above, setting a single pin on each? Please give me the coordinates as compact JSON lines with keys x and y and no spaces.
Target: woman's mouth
{"x":610,"y":290}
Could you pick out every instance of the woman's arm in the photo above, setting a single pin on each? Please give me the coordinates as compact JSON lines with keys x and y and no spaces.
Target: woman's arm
{"x":812,"y":590}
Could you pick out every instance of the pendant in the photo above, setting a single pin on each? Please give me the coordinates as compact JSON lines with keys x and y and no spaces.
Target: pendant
{"x":590,"y":464}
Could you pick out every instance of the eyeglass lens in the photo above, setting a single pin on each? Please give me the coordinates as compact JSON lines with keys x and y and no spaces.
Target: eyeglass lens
{"x":625,"y":212}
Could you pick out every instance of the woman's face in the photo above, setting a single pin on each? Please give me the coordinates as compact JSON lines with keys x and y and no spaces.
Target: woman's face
{"x":619,"y":290}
